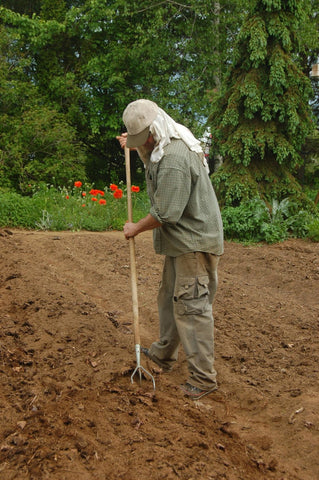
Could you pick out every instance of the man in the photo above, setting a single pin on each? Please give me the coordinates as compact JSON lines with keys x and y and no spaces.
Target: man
{"x":187,"y":229}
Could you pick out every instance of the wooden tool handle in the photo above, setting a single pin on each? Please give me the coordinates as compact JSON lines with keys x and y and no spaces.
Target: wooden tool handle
{"x":128,"y":185}
{"x":132,"y":249}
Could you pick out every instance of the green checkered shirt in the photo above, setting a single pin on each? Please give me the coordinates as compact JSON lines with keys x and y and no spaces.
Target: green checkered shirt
{"x":184,"y":202}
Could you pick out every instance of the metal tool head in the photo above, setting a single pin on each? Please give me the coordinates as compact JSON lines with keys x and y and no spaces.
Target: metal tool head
{"x":139,"y":369}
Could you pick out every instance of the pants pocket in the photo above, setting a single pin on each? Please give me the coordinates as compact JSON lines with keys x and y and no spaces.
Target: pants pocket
{"x":191,"y":295}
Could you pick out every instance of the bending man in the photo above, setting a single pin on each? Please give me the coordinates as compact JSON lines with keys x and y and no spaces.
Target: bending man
{"x":187,"y":229}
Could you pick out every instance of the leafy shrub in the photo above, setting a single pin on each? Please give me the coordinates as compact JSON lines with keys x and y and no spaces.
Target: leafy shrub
{"x":255,"y":221}
{"x":244,"y":223}
{"x":17,"y":211}
{"x":313,"y":230}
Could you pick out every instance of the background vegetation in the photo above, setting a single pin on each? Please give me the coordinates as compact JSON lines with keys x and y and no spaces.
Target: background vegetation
{"x":239,"y":69}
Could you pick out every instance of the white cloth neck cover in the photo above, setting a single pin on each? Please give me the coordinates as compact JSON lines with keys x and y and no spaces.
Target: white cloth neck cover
{"x":164,"y":128}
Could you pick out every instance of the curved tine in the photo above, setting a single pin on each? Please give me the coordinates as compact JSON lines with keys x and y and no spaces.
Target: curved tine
{"x":139,"y":368}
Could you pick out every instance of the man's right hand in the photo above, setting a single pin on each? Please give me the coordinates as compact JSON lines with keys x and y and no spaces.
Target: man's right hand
{"x":122,"y":139}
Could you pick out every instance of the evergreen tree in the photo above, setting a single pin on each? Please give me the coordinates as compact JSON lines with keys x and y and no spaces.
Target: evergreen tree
{"x":262,"y":117}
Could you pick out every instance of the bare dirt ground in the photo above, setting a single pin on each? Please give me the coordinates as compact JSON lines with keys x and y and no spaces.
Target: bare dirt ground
{"x":68,"y":409}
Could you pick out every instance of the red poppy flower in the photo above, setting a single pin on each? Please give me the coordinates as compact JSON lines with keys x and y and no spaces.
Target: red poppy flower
{"x":93,"y":191}
{"x":113,"y":187}
{"x":102,"y":201}
{"x":78,"y":184}
{"x":94,"y":199}
{"x":100,"y":192}
{"x":83,"y":194}
{"x":67,"y":197}
{"x":118,"y":193}
{"x":135,"y":189}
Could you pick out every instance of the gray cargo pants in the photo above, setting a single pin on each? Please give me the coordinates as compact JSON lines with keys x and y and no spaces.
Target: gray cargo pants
{"x":185,"y":298}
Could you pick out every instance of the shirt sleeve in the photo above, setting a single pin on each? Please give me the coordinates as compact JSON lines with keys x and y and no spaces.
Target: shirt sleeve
{"x":171,"y":195}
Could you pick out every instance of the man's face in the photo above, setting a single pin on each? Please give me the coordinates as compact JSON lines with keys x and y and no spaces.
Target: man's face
{"x":145,"y":150}
{"x":150,"y":143}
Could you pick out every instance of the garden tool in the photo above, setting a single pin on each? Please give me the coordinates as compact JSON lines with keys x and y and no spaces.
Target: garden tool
{"x":138,"y":368}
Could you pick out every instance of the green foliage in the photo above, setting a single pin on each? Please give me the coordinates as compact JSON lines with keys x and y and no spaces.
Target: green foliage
{"x":72,"y":208}
{"x":37,"y":143}
{"x":313,"y":230}
{"x":18,"y":211}
{"x":42,"y":147}
{"x":77,"y":64}
{"x":255,"y":221}
{"x":263,"y":111}
{"x":262,"y":116}
{"x":264,"y":179}
{"x":315,"y":98}
{"x":86,"y":60}
{"x":244,"y":222}
{"x":69,"y":208}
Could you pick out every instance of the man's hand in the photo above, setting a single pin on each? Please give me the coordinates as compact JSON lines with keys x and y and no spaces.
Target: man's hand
{"x":122,"y":139}
{"x":147,"y":223}
{"x":130,"y":230}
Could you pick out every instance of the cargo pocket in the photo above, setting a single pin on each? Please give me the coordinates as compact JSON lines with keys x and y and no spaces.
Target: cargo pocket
{"x":191,"y":296}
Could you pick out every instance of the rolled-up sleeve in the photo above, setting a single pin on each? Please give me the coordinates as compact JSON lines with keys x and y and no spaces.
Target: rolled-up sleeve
{"x":171,"y":195}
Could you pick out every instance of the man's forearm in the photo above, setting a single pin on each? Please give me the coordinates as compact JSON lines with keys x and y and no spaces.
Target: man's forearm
{"x":147,"y":223}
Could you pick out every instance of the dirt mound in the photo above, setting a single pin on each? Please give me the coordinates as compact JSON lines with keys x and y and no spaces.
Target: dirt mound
{"x":68,"y":407}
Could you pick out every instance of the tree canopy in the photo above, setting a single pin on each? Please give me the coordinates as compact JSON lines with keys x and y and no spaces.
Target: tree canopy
{"x":69,"y":68}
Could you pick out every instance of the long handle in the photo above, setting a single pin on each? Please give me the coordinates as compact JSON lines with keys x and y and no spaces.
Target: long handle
{"x":132,"y":249}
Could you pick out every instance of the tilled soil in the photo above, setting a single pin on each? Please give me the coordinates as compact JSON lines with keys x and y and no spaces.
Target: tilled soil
{"x":68,"y":407}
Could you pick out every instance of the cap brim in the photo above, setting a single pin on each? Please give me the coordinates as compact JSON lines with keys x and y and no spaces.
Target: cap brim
{"x":139,"y":139}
